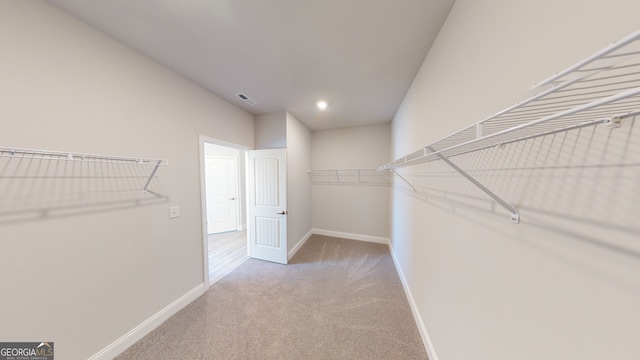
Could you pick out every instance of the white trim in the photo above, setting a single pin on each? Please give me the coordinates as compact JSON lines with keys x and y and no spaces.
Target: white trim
{"x":426,"y":339}
{"x":203,"y":209}
{"x":215,"y":141}
{"x":140,"y":331}
{"x":202,"y":139}
{"x":359,"y":237}
{"x":302,"y":241}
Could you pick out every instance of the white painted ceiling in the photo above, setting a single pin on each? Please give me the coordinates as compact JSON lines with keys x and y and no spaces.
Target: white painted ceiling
{"x":359,"y":55}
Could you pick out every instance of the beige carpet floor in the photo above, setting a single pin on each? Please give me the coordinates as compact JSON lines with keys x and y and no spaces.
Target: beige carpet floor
{"x":337,"y":299}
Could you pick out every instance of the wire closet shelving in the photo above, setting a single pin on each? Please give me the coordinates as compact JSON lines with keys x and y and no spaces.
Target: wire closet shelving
{"x":70,"y":156}
{"x":373,"y":177}
{"x":37,"y":184}
{"x":603,"y":89}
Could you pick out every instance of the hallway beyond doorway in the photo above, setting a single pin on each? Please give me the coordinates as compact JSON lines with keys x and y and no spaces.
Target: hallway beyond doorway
{"x":227,"y":251}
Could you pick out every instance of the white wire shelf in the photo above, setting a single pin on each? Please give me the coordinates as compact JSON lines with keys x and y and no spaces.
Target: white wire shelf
{"x":359,"y":177}
{"x":602,"y":89}
{"x":38,"y":184}
{"x":39,"y":155}
{"x":71,"y":156}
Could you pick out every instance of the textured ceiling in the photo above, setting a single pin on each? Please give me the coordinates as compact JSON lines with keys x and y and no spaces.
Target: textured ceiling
{"x":358,"y":55}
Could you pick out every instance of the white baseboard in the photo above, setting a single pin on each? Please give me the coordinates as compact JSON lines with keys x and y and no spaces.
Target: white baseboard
{"x":431,"y":352}
{"x":343,"y":235}
{"x":140,"y":331}
{"x":359,"y":237}
{"x":299,"y":244}
{"x":242,"y":227}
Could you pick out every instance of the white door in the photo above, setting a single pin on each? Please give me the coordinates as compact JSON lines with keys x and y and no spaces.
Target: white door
{"x":267,"y":205}
{"x":222,"y":194}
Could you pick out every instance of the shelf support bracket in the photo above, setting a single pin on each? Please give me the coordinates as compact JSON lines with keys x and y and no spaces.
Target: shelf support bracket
{"x":515,"y":214}
{"x":614,"y":122}
{"x":403,"y":179}
{"x":153,"y":173}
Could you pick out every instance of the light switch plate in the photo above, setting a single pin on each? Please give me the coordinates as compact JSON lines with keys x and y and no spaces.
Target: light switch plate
{"x":174,"y":212}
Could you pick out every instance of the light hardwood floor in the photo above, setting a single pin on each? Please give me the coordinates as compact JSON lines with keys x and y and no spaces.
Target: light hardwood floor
{"x":227,"y":251}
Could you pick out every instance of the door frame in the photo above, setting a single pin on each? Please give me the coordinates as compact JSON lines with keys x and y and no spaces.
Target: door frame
{"x":202,"y":139}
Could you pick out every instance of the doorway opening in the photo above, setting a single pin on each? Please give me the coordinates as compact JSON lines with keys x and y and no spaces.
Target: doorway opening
{"x":224,"y":207}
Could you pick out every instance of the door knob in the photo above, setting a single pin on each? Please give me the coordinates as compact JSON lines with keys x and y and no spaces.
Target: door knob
{"x":232,"y":198}
{"x":282,"y":213}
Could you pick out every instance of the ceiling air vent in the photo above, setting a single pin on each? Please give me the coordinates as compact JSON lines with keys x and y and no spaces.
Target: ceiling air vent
{"x":246,"y":99}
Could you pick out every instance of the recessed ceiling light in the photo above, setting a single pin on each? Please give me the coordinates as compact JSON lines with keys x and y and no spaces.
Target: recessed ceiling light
{"x":322,"y":105}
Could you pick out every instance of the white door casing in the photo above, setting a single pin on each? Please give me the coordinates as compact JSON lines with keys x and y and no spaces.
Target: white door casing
{"x":221,"y":193}
{"x":267,"y":205}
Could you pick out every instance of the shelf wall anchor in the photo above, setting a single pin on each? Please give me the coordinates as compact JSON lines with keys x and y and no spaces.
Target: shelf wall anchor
{"x":614,"y":122}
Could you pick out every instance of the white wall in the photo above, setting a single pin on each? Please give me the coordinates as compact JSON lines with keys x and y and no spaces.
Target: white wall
{"x":561,"y":285}
{"x":283,"y":130}
{"x":83,"y":281}
{"x":271,"y":131}
{"x":359,"y":210}
{"x":298,"y":184}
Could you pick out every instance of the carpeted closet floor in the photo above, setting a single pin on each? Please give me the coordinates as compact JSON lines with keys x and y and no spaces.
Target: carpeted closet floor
{"x":337,"y":299}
